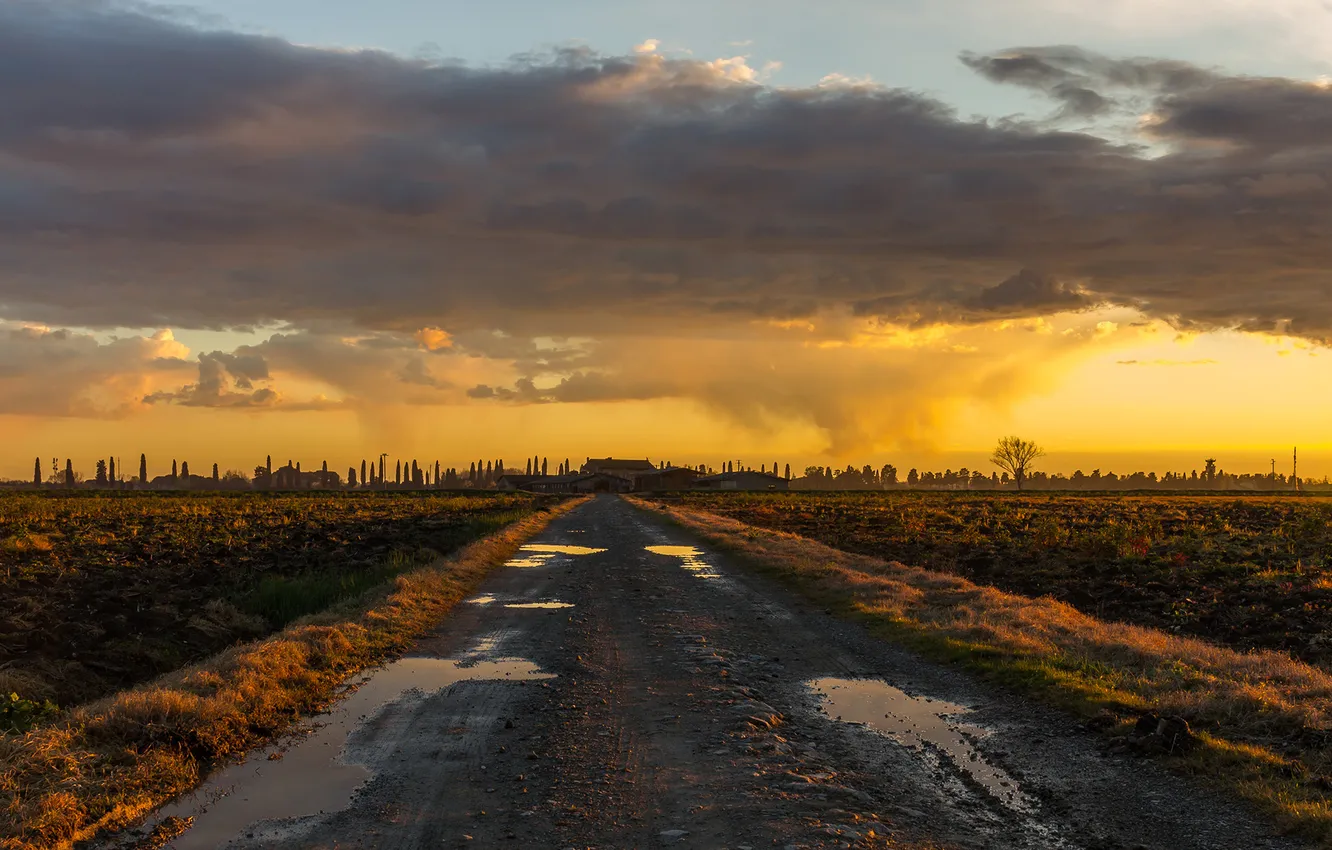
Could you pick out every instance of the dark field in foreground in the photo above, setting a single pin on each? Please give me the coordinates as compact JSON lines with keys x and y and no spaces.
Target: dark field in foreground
{"x":99,"y":592}
{"x":1248,"y":571}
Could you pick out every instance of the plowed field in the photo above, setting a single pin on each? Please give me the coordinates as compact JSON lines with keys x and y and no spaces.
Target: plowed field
{"x":98,"y":592}
{"x":1246,"y":571}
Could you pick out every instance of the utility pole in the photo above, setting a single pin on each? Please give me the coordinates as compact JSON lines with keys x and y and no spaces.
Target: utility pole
{"x":1295,"y":467}
{"x":1273,"y":473}
{"x":383,"y":485}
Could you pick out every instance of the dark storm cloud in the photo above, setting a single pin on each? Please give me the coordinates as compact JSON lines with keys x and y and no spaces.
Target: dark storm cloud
{"x":225,"y":380}
{"x":1029,"y":292}
{"x":1087,"y":83}
{"x":154,"y":173}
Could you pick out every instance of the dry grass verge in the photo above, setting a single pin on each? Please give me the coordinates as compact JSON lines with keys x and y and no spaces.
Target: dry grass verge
{"x":104,"y":765}
{"x":1263,"y":719}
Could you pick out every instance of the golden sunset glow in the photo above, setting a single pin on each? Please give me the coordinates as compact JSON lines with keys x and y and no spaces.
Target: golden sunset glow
{"x":323,"y":253}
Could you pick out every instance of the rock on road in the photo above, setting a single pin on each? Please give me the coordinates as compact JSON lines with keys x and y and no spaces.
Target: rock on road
{"x":621,"y":686}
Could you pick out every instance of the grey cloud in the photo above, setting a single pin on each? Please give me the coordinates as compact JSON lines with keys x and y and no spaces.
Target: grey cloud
{"x":225,"y":380}
{"x":1270,"y":116}
{"x":524,"y":390}
{"x":1066,"y":81}
{"x":154,"y":172}
{"x":415,"y":371}
{"x":1030,"y":292}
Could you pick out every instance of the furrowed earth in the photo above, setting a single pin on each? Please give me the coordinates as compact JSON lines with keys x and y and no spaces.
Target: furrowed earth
{"x":101,"y":592}
{"x":1243,"y":571}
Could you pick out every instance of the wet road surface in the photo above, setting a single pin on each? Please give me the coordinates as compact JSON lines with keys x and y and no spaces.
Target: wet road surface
{"x":620,"y":685}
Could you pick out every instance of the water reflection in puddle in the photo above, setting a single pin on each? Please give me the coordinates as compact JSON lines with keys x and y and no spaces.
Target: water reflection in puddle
{"x":310,"y":777}
{"x":490,"y":599}
{"x":918,"y":722}
{"x":540,"y":554}
{"x":691,"y":558}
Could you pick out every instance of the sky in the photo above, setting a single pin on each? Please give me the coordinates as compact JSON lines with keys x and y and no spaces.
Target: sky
{"x":696,"y":231}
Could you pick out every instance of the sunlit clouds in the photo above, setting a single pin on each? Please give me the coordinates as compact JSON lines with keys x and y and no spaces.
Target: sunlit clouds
{"x":841,"y":268}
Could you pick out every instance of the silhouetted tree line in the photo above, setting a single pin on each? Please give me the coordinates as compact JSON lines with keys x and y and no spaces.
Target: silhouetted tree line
{"x":886,"y":478}
{"x":413,"y":474}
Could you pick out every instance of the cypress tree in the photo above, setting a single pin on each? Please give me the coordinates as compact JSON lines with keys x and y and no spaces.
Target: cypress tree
{"x":101,"y":471}
{"x":436,"y":473}
{"x":185,"y":469}
{"x":397,"y":478}
{"x":544,"y":461}
{"x":69,"y":472}
{"x":362,"y":471}
{"x":325,"y":469}
{"x":268,"y":465}
{"x":471,"y":476}
{"x":143,"y":469}
{"x":215,"y":475}
{"x":351,"y":476}
{"x":174,"y":474}
{"x":113,"y":469}
{"x":788,"y":472}
{"x":529,"y":466}
{"x":37,"y":473}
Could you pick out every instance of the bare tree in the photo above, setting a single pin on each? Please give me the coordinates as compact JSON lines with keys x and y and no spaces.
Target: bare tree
{"x":1015,"y":456}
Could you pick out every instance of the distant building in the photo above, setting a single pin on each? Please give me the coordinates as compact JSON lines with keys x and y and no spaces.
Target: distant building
{"x":290,"y":478}
{"x":626,"y":469}
{"x":671,"y":478}
{"x":743,"y":480}
{"x":513,"y":482}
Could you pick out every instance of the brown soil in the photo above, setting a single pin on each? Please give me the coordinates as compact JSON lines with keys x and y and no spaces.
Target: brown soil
{"x":102,"y":592}
{"x":1248,"y":572}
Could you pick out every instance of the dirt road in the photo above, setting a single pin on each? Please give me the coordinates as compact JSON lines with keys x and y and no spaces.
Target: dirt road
{"x":621,"y":686}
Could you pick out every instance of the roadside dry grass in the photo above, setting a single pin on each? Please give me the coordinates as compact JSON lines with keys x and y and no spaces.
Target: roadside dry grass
{"x":1264,"y":720}
{"x":103,"y":765}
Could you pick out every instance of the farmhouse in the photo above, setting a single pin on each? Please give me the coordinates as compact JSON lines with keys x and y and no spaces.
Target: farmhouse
{"x":670,"y":478}
{"x":290,"y":478}
{"x":626,"y":469}
{"x":742,"y":480}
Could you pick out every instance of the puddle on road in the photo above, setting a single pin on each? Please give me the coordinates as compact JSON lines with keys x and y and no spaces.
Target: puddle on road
{"x":310,"y":778}
{"x":918,"y":723}
{"x":691,"y":558}
{"x":490,"y":599}
{"x":540,"y":554}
